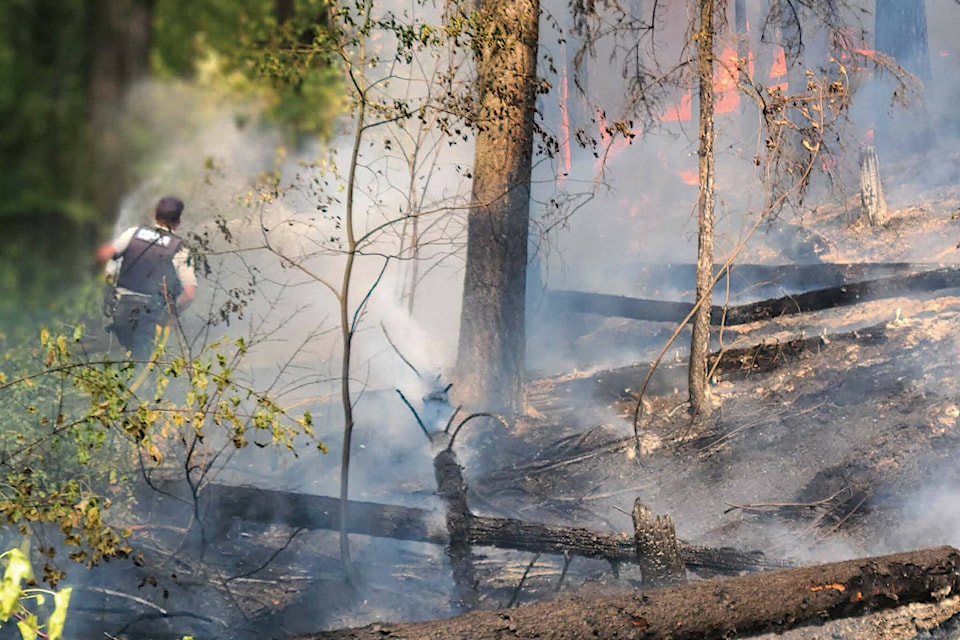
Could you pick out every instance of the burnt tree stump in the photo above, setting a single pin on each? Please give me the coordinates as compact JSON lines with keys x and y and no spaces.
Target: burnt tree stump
{"x":873,"y":204}
{"x":658,"y":552}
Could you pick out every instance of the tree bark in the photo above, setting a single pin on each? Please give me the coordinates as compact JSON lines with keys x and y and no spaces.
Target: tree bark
{"x":658,"y":551}
{"x":900,"y":29}
{"x":453,"y":490}
{"x":901,"y":33}
{"x":711,"y":609}
{"x":490,"y":358}
{"x":873,"y":206}
{"x":699,"y":341}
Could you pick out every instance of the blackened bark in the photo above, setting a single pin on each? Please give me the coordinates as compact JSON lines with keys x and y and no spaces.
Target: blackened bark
{"x":122,"y":33}
{"x":283,"y":10}
{"x":658,"y":551}
{"x":490,"y":358}
{"x":817,"y":300}
{"x":746,"y":605}
{"x":453,"y":490}
{"x":699,"y":342}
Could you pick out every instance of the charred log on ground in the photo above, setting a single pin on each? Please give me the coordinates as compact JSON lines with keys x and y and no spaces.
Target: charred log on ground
{"x":224,"y":504}
{"x":817,"y":300}
{"x":743,"y":276}
{"x":453,"y":490}
{"x":710,"y":609}
{"x":549,"y":396}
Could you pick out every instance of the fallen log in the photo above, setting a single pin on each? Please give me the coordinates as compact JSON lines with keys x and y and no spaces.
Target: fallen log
{"x":223,"y":504}
{"x":745,"y":605}
{"x":453,"y":491}
{"x":818,"y":300}
{"x":610,"y":385}
{"x":744,"y":277}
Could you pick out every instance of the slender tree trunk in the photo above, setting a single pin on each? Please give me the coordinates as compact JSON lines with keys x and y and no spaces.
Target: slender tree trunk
{"x":699,"y":343}
{"x":121,"y":31}
{"x":490,"y":359}
{"x":283,"y":10}
{"x":347,"y":327}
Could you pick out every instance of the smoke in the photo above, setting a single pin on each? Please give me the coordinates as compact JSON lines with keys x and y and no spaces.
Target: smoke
{"x":273,"y":217}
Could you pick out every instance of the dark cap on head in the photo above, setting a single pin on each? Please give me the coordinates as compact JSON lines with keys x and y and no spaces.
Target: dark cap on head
{"x":169,"y":209}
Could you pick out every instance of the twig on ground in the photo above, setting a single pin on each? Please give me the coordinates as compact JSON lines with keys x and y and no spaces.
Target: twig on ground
{"x":523,"y":578}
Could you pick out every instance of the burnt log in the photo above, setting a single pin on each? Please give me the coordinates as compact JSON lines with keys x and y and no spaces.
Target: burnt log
{"x":223,"y":505}
{"x":453,"y":490}
{"x":611,"y":385}
{"x":817,"y":300}
{"x":742,"y":276}
{"x":745,"y":605}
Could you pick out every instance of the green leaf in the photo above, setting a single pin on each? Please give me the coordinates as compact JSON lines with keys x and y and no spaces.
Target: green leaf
{"x":28,"y":627}
{"x":61,"y":601}
{"x":18,"y":570}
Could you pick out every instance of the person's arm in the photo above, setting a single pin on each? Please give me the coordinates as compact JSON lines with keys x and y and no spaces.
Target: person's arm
{"x":186,"y":296}
{"x":110,"y":250}
{"x":105,"y":252}
{"x":183,"y":265}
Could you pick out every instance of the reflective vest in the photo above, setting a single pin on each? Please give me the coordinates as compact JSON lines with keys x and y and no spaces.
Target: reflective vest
{"x":147,"y":265}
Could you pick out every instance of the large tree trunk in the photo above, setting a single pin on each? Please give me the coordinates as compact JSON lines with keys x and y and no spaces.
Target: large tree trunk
{"x":711,"y":609}
{"x":901,"y":32}
{"x":490,"y":360}
{"x":699,"y":342}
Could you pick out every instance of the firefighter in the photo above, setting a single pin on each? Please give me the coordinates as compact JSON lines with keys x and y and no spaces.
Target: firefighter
{"x":152,"y":281}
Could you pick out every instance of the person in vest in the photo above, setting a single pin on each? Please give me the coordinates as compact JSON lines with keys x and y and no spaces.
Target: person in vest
{"x":155,"y":278}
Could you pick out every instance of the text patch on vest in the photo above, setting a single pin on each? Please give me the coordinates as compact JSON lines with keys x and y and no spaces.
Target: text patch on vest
{"x":153,"y":236}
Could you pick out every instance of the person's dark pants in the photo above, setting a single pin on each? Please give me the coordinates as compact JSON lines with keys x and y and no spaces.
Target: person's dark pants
{"x":135,"y":322}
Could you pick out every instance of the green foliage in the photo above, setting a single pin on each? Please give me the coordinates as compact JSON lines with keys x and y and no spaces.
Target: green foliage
{"x":78,"y":429}
{"x":42,"y":104}
{"x":43,"y":110}
{"x":283,"y":61}
{"x":18,"y":600}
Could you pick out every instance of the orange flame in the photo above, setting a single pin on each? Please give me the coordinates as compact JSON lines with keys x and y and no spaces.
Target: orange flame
{"x":691,"y":177}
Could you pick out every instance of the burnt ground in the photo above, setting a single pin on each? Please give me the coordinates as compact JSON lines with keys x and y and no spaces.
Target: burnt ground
{"x":834,"y":436}
{"x":837,"y":438}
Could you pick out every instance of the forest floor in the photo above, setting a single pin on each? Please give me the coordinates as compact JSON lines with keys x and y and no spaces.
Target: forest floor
{"x":846,"y":449}
{"x":843,"y":449}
